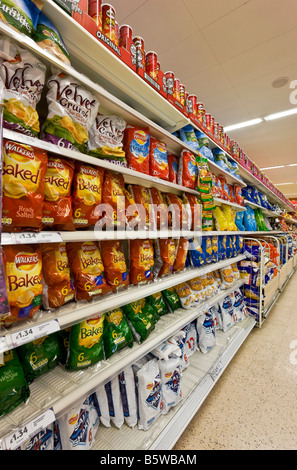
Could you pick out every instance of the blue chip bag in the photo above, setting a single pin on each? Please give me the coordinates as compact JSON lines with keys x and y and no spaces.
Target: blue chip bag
{"x":195,"y":253}
{"x":187,"y":135}
{"x":21,"y":15}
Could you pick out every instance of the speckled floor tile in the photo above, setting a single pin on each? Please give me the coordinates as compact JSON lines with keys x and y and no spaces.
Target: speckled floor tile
{"x":254,"y":403}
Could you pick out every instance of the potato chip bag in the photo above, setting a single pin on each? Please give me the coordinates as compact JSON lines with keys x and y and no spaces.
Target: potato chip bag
{"x":58,"y":287}
{"x":142,"y":197}
{"x":173,"y":168}
{"x":171,"y":299}
{"x":24,"y":79}
{"x":132,"y":216}
{"x":140,"y":319}
{"x":164,"y":257}
{"x":106,"y":139}
{"x":160,"y":209}
{"x":158,"y":159}
{"x":196,"y":211}
{"x":21,"y":15}
{"x":23,"y":275}
{"x":24,"y":169}
{"x":181,"y":253}
{"x":87,"y":269}
{"x":57,"y":205}
{"x":230,"y":215}
{"x":85,"y":343}
{"x":117,"y":333}
{"x":187,"y":170}
{"x":113,"y":195}
{"x":72,"y":109}
{"x":158,"y":303}
{"x":48,"y":37}
{"x":141,"y":255}
{"x":137,"y":148}
{"x":180,"y":211}
{"x":86,"y":195}
{"x":115,"y":268}
{"x":185,"y":295}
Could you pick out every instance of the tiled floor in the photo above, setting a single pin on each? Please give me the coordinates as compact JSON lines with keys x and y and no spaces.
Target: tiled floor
{"x":254,"y":403}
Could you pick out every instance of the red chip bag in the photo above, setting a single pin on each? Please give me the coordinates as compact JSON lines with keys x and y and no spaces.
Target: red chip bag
{"x":158,"y":159}
{"x":238,"y":196}
{"x":132,"y":216}
{"x":114,"y":196}
{"x":180,"y":212}
{"x":57,"y":205}
{"x":142,"y":197}
{"x":87,"y":194}
{"x":115,"y":268}
{"x":231,"y":193}
{"x":225,"y":189}
{"x":58,"y":288}
{"x":164,"y":257}
{"x":87,"y":269}
{"x":24,"y":169}
{"x":196,"y":212}
{"x":182,"y":247}
{"x":141,"y":255}
{"x":187,"y":170}
{"x":137,"y":148}
{"x":173,"y":168}
{"x":160,"y":209}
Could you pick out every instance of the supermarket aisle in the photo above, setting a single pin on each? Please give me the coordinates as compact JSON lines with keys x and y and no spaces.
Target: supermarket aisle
{"x":253,"y":406}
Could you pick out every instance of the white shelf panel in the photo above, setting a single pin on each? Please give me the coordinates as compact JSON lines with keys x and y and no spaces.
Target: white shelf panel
{"x":222,"y":202}
{"x":59,"y":388}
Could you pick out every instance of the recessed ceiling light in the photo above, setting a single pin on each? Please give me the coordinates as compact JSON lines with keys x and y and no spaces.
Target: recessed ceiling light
{"x":280,"y":82}
{"x":281,"y":114}
{"x":252,"y":122}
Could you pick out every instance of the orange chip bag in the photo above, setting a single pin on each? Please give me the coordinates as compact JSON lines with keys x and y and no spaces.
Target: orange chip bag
{"x":179,"y":210}
{"x":137,"y":148}
{"x":160,"y":209}
{"x":24,"y":169}
{"x":23,"y":276}
{"x":87,"y":194}
{"x":196,"y":212}
{"x":114,"y":262}
{"x":87,"y":269}
{"x":142,"y":197}
{"x":141,"y":261}
{"x":187,"y":170}
{"x":158,"y":159}
{"x":172,"y":167}
{"x":132,"y":215}
{"x":164,"y":257}
{"x":114,"y":196}
{"x":182,"y":247}
{"x":57,"y":206}
{"x":58,"y":288}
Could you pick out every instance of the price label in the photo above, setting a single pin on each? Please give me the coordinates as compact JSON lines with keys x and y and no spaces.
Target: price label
{"x":3,"y":344}
{"x":31,"y":333}
{"x":40,"y":237}
{"x":216,"y":370}
{"x":7,"y":239}
{"x":24,"y":433}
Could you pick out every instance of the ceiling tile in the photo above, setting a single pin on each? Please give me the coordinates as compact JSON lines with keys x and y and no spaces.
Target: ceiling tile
{"x":207,"y":12}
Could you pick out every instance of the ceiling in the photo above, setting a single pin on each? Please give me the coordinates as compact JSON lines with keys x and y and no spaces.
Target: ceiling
{"x":228,"y":53}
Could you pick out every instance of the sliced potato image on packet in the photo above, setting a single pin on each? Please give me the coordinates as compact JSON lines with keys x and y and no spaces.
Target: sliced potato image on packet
{"x":48,"y":37}
{"x":106,"y":139}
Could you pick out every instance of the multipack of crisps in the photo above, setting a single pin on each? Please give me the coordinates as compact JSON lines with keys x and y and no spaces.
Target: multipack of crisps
{"x":158,"y":159}
{"x":160,"y":209}
{"x":180,"y":211}
{"x":164,"y":257}
{"x":57,"y":206}
{"x":58,"y":286}
{"x":23,"y":276}
{"x":173,"y":168}
{"x":187,"y":170}
{"x":86,"y":195}
{"x":87,"y":270}
{"x":137,"y":148}
{"x":181,"y":253}
{"x":114,"y":262}
{"x":142,"y":198}
{"x":106,"y":139}
{"x":113,"y":200}
{"x":24,"y":169}
{"x":24,"y":78}
{"x":141,"y":256}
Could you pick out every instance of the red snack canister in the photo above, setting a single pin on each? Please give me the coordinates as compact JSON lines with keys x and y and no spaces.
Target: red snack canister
{"x":182,"y":93}
{"x":216,"y":130}
{"x":108,"y":21}
{"x":117,"y":33}
{"x":222,"y":134}
{"x":208,"y":121}
{"x":151,"y":64}
{"x":170,"y":82}
{"x":212,"y":123}
{"x":126,"y":34}
{"x":192,"y":104}
{"x":95,"y":12}
{"x":177,"y":89}
{"x":140,"y":54}
{"x":200,"y":111}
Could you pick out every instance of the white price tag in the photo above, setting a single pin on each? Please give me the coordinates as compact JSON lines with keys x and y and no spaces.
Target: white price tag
{"x":40,"y":237}
{"x":216,"y":370}
{"x":24,"y":433}
{"x":7,"y":239}
{"x":3,"y":344}
{"x":31,"y":333}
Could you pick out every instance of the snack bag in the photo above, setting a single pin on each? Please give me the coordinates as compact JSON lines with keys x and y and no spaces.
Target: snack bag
{"x":158,"y":303}
{"x":57,"y":205}
{"x":227,"y":276}
{"x":21,"y":15}
{"x":188,"y":136}
{"x":114,"y":262}
{"x":142,"y":197}
{"x":164,"y":257}
{"x":14,"y":389}
{"x":206,"y":332}
{"x":85,"y":343}
{"x":230,"y":215}
{"x":196,"y":254}
{"x":180,"y":212}
{"x":106,"y":139}
{"x":221,"y":223}
{"x":185,"y":295}
{"x":132,"y":216}
{"x":72,"y":110}
{"x":23,"y":275}
{"x":173,"y":168}
{"x":117,"y":333}
{"x":171,"y":375}
{"x":160,"y":209}
{"x":128,"y":396}
{"x":39,"y":356}
{"x":187,"y":170}
{"x":48,"y":37}
{"x":137,"y":148}
{"x":181,"y":253}
{"x":113,"y":195}
{"x":196,"y":212}
{"x":24,"y":169}
{"x":171,"y":299}
{"x":196,"y":287}
{"x":87,"y":269}
{"x":158,"y":159}
{"x":115,"y":407}
{"x":226,"y":310}
{"x":141,"y":256}
{"x":58,"y":288}
{"x":140,"y":319}
{"x":86,"y":195}
{"x":24,"y":78}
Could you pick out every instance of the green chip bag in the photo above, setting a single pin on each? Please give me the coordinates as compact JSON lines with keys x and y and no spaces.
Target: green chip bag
{"x":85,"y":344}
{"x":171,"y":298}
{"x":140,"y":318}
{"x":63,"y":336}
{"x":117,"y":333}
{"x":14,"y":389}
{"x":39,"y":356}
{"x":158,"y":303}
